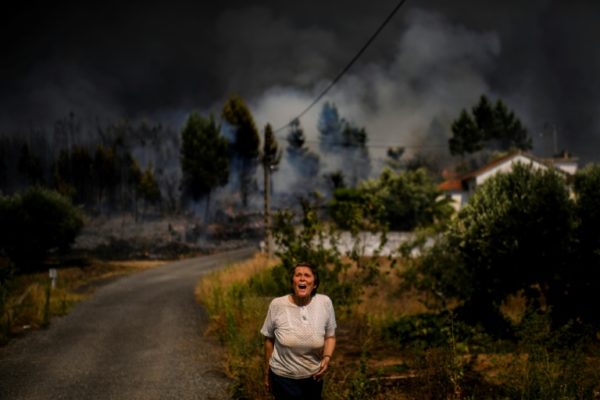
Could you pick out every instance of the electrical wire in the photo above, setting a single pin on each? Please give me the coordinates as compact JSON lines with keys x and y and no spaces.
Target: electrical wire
{"x":346,"y":68}
{"x":381,"y":145}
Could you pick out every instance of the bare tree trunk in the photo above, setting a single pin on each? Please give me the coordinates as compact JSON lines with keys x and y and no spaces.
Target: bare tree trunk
{"x":266,"y":169}
{"x":207,"y":209}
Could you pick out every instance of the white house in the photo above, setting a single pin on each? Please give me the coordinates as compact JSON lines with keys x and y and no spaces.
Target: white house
{"x":461,"y":188}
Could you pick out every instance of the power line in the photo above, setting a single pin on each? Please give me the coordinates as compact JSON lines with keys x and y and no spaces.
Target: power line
{"x":347,"y":67}
{"x":381,"y":145}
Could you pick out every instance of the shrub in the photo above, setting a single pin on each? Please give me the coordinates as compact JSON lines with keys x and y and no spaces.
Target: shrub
{"x":317,"y":244}
{"x":36,"y":224}
{"x":553,"y":362}
{"x":515,"y":234}
{"x":396,"y":200}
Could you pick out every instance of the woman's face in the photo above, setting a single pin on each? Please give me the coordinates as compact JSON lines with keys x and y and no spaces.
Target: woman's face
{"x":303,"y":281}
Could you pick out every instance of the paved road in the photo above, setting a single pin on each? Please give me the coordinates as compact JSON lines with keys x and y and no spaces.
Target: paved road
{"x":140,"y":337}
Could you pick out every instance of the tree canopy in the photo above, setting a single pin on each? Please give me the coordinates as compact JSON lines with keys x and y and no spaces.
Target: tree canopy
{"x":35,"y":224}
{"x":271,"y":154}
{"x":246,"y":144}
{"x":237,"y":114}
{"x":345,"y":144}
{"x":583,"y":283}
{"x":204,"y":156}
{"x":396,"y":200}
{"x":304,"y":161}
{"x":488,"y":126}
{"x":521,"y":233}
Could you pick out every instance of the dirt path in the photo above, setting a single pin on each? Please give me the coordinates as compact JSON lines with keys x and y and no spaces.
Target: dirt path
{"x":138,"y":338}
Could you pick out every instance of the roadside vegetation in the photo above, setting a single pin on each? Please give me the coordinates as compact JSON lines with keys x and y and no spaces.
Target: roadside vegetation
{"x":29,"y":302}
{"x":500,"y":306}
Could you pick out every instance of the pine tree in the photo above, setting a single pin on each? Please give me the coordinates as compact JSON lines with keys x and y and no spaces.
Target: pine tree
{"x":488,"y":126}
{"x":148,"y":188}
{"x":245,"y":147}
{"x":304,"y":161}
{"x":330,"y":127}
{"x":344,"y":144}
{"x":296,"y":140}
{"x":204,"y":157}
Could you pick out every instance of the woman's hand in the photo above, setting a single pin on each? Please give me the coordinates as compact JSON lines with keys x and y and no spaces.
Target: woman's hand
{"x":328,"y":349}
{"x":267,"y":381}
{"x":322,"y":368}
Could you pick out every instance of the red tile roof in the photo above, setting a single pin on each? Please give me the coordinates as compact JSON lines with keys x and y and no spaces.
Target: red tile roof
{"x":451,"y":184}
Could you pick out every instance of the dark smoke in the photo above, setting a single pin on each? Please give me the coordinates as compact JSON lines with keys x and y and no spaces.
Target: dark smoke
{"x":107,"y":61}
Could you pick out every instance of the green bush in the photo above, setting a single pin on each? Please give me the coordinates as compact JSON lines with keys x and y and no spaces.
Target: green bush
{"x":515,"y":234}
{"x":396,"y":200}
{"x":317,"y":244}
{"x":577,"y":297}
{"x":35,"y":224}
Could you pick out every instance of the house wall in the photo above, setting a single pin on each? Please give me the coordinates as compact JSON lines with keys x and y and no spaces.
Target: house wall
{"x":470,"y":184}
{"x":457,"y":199}
{"x":507,"y":167}
{"x":569,"y":167}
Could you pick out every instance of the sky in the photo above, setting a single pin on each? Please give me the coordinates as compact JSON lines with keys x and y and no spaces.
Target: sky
{"x":159,"y":62}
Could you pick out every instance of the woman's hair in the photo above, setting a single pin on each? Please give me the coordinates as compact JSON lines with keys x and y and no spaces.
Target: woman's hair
{"x":314,"y":271}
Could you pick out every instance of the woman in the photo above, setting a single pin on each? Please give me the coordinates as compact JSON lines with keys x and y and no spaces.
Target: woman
{"x":299,"y":338}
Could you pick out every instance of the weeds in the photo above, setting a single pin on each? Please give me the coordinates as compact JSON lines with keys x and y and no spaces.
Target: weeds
{"x":237,"y":312}
{"x":418,"y":356}
{"x":28,"y":302}
{"x":553,"y":364}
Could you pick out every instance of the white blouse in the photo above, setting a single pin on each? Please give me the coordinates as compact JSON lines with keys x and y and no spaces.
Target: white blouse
{"x":299,"y":333}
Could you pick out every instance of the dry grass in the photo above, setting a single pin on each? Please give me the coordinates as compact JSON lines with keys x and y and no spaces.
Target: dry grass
{"x":31,"y":303}
{"x":236,"y":316}
{"x":364,"y":365}
{"x":233,"y":274}
{"x":384,"y":300}
{"x":514,"y":307}
{"x":137,"y":264}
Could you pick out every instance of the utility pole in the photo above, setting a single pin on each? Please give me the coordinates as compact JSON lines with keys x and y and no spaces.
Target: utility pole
{"x":271,"y":155}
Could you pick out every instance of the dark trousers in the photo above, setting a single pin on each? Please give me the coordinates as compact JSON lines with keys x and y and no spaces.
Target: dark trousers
{"x":295,"y":389}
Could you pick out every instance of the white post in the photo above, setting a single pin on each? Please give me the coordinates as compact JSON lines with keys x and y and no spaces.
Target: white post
{"x":53,"y":274}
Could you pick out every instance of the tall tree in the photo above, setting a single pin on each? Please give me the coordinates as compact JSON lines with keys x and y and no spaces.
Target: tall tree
{"x":73,"y":174}
{"x":466,"y":136}
{"x":104,"y":172}
{"x":30,"y":166}
{"x":296,"y":140}
{"x":330,"y":127}
{"x":344,"y":144}
{"x":304,"y":161}
{"x":355,"y":153}
{"x":270,"y":158}
{"x":148,"y":188}
{"x":134,"y":179}
{"x":489,"y":126}
{"x":3,"y":166}
{"x":204,"y":157}
{"x":394,"y":156}
{"x":245,"y":147}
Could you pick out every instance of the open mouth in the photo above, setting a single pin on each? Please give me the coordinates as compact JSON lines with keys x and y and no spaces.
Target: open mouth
{"x":302,"y":286}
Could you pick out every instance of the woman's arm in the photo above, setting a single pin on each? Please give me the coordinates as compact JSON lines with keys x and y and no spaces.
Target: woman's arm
{"x":328,"y":349}
{"x":269,"y":345}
